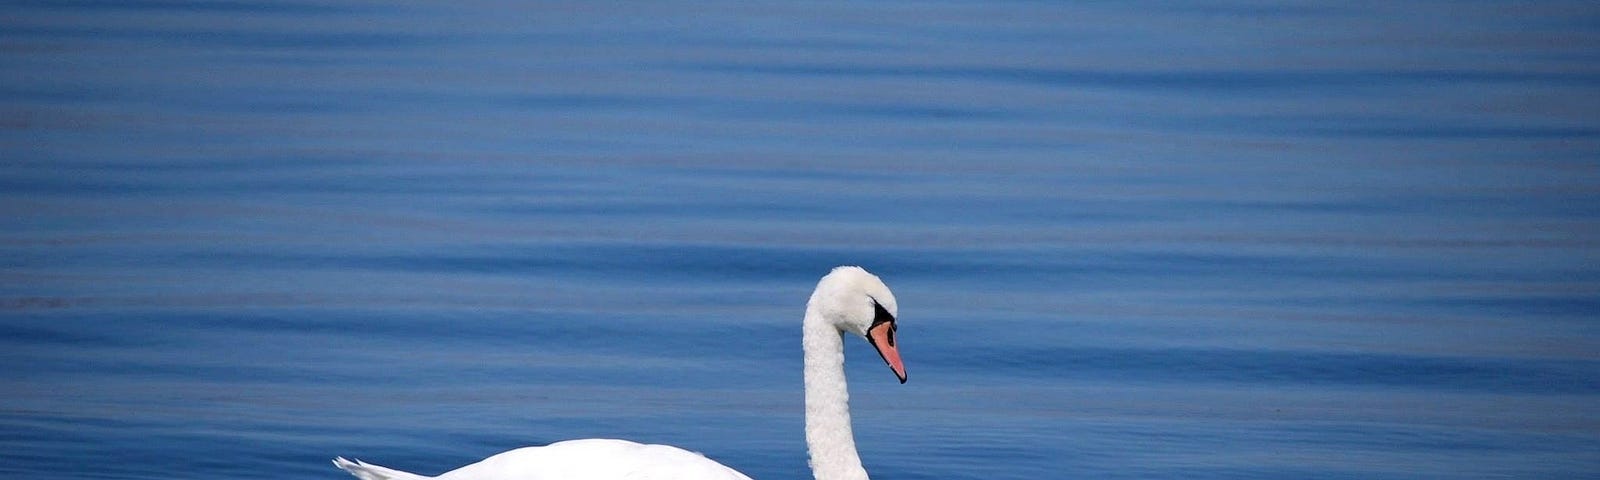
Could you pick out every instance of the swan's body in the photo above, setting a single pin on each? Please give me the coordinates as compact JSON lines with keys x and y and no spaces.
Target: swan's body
{"x":592,"y":458}
{"x":847,"y":300}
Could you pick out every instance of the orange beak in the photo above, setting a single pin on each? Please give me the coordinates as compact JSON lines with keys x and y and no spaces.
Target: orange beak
{"x":881,"y":336}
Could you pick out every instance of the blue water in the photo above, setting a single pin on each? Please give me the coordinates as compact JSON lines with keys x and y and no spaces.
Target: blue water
{"x":1218,"y":240}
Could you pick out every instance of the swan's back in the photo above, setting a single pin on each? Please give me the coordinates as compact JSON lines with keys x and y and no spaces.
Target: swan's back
{"x":588,"y":459}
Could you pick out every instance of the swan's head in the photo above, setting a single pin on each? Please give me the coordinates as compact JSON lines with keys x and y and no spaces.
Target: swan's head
{"x":858,"y":303}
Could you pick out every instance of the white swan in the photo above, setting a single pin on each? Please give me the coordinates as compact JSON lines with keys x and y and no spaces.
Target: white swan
{"x":847,"y":300}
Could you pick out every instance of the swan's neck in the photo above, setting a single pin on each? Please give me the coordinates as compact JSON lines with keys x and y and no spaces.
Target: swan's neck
{"x":828,"y":436}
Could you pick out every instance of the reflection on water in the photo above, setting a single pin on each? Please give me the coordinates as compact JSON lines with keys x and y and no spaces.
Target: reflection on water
{"x":1143,"y":240}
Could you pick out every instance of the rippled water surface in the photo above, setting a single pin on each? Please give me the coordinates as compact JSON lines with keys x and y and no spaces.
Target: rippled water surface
{"x":1220,"y":240}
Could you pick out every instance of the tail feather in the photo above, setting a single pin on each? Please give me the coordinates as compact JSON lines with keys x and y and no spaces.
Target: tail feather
{"x":367,"y":471}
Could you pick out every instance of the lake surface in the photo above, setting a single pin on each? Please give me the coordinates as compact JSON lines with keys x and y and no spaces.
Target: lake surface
{"x":1153,"y":240}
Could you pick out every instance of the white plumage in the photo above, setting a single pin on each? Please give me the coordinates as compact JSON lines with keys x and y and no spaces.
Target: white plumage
{"x":593,"y":458}
{"x":847,"y":301}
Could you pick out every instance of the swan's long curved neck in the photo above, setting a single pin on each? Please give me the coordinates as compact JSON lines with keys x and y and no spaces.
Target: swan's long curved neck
{"x":828,"y":436}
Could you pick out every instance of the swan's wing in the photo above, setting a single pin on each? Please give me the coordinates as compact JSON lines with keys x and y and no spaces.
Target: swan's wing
{"x":367,"y":471}
{"x":596,"y":459}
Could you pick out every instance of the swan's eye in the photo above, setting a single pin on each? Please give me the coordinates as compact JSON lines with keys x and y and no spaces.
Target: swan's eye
{"x":879,"y":314}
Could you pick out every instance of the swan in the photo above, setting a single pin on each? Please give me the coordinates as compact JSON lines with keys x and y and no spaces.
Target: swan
{"x":848,"y":300}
